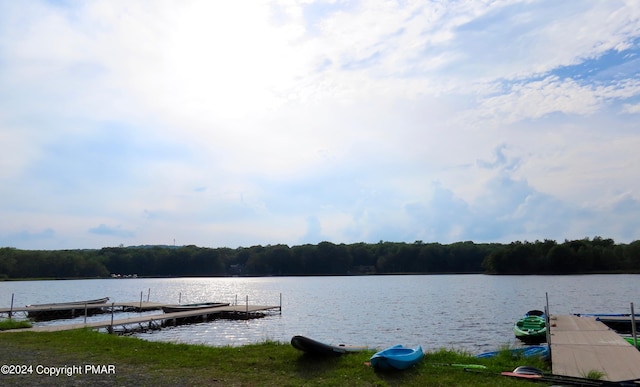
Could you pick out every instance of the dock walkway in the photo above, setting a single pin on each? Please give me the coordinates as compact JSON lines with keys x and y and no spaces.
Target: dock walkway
{"x":136,"y":305}
{"x":155,"y":320}
{"x":582,"y":344}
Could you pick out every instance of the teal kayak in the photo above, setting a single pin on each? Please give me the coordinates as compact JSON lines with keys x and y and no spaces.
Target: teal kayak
{"x":397,"y":357}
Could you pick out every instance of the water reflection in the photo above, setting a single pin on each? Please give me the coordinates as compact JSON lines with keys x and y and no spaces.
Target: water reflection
{"x":470,"y":312}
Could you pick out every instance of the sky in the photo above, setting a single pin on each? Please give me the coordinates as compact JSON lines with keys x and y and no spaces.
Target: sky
{"x":242,"y":123}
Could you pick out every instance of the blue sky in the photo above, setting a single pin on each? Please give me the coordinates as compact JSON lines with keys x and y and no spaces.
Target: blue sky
{"x":234,"y":124}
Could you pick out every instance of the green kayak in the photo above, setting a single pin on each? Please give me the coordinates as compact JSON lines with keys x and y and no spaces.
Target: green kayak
{"x":532,"y":327}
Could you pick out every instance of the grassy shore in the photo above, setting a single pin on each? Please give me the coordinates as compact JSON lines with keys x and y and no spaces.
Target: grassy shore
{"x":141,"y":363}
{"x":6,"y":324}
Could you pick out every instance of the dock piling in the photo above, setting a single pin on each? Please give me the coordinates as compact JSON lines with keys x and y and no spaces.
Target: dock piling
{"x":11,"y":310}
{"x":633,"y":327}
{"x":112,"y":311}
{"x":547,"y":318}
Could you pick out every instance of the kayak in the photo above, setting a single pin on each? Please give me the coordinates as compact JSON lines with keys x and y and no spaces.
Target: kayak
{"x":189,"y":307}
{"x":317,"y":348}
{"x":528,"y":351}
{"x":397,"y":357}
{"x":631,"y":341}
{"x":532,"y":327}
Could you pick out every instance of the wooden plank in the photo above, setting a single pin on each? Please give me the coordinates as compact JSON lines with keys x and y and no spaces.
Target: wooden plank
{"x":617,"y":364}
{"x":575,"y":323}
{"x":582,"y":344}
{"x":589,"y":338}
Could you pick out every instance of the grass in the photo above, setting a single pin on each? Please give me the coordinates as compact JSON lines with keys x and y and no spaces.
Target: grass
{"x":6,"y":324}
{"x":140,"y":362}
{"x":594,"y":374}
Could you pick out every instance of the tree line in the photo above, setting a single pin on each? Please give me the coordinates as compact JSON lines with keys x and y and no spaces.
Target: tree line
{"x":595,"y":255}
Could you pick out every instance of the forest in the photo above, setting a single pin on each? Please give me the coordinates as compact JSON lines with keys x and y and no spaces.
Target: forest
{"x":584,"y":256}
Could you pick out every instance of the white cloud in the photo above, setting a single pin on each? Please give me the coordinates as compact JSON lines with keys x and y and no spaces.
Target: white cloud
{"x":279,"y":122}
{"x":631,"y":108}
{"x":539,"y":98}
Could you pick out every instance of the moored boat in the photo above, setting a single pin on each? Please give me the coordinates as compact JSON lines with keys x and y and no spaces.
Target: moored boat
{"x":186,"y":307}
{"x":70,"y":303}
{"x":317,"y":348}
{"x":397,"y":357}
{"x":621,"y":323}
{"x":532,"y":327}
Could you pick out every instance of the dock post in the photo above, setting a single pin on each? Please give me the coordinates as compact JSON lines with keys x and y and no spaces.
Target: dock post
{"x":280,"y":308}
{"x":180,"y":298}
{"x":548,"y":322}
{"x":111,"y":326}
{"x":148,"y":294}
{"x":633,"y":327}
{"x":247,"y":307}
{"x":85,"y":313}
{"x":11,"y":310}
{"x":140,"y":309}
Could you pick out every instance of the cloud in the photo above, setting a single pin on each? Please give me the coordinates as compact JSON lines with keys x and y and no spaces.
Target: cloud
{"x":28,"y":237}
{"x":300,"y":121}
{"x":631,"y":108}
{"x":105,"y":230}
{"x":314,"y":232}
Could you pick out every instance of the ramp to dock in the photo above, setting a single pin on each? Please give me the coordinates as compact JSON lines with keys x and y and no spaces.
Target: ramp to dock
{"x":582,"y":344}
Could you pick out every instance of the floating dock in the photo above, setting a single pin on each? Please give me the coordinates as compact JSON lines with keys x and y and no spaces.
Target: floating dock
{"x":580,"y":345}
{"x":619,"y":323}
{"x":71,"y":310}
{"x":156,"y":321}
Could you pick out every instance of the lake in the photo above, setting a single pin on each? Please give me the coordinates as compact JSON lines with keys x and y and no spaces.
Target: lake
{"x":468,"y":312}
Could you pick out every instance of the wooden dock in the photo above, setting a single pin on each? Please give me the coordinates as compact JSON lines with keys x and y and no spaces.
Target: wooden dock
{"x":155,"y":321}
{"x":133,"y":305}
{"x":580,"y":345}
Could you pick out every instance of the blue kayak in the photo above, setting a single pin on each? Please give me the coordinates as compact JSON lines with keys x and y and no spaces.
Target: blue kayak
{"x":528,"y":351}
{"x":397,"y":357}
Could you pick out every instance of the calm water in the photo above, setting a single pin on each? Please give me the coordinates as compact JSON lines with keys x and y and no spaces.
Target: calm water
{"x":470,"y":312}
